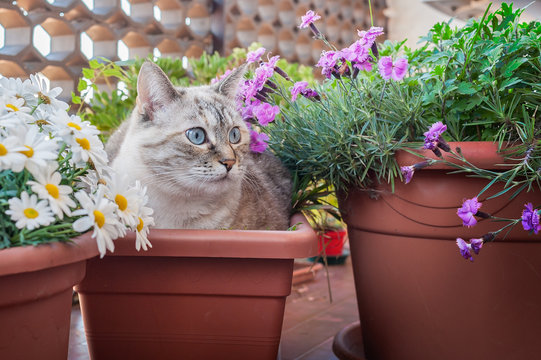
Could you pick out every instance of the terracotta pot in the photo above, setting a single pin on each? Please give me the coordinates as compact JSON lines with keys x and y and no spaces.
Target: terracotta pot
{"x":417,"y":297}
{"x":197,"y":294}
{"x":333,"y":242}
{"x":35,"y":306}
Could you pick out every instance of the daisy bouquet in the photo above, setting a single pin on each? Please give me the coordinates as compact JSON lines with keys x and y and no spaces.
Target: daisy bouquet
{"x":55,"y":183}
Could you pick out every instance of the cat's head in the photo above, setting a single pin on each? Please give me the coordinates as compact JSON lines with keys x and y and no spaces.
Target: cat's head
{"x":190,"y":138}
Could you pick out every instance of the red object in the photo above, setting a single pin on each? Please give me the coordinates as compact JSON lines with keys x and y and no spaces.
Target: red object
{"x":417,"y":297}
{"x":333,"y":242}
{"x":197,"y":294}
{"x":36,"y":293}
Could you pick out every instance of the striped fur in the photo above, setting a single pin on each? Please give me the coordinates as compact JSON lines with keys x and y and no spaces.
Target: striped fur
{"x":188,"y":187}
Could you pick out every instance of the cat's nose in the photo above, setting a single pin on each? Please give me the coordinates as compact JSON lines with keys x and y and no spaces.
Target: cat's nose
{"x":228,"y":163}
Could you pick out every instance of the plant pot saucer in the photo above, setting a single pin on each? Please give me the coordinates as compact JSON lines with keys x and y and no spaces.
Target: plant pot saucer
{"x":348,"y":343}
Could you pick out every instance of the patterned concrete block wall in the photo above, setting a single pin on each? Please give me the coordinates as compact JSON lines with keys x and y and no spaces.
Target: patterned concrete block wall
{"x":273,"y":23}
{"x":59,"y":37}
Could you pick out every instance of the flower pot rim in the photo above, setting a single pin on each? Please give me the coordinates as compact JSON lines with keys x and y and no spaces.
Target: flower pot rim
{"x":262,"y":244}
{"x":33,"y":258}
{"x":483,"y":154}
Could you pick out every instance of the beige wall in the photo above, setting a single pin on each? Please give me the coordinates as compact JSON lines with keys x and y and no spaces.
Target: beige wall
{"x":411,"y":19}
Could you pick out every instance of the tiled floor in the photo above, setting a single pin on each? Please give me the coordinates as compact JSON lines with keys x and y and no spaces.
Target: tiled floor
{"x":310,"y":321}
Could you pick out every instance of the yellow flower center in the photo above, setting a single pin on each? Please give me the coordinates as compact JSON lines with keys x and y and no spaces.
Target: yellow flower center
{"x":42,"y":122}
{"x":122,"y":202}
{"x":74,"y":125}
{"x":29,"y":153}
{"x":12,"y":107}
{"x":3,"y":150}
{"x":53,"y":190}
{"x":31,"y":213}
{"x":99,"y":218}
{"x":85,"y":144}
{"x":140,"y":226}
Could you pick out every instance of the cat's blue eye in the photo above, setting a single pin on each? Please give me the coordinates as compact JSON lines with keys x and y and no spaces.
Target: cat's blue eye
{"x":234,"y":135}
{"x":196,"y":135}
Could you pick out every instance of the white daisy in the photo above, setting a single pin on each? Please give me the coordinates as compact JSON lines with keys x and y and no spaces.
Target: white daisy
{"x":39,"y":148}
{"x":10,"y":156}
{"x":46,"y":95}
{"x":12,"y":104}
{"x":126,"y":197}
{"x":28,"y":212}
{"x":19,"y":89}
{"x":100,"y":214}
{"x":72,"y":126}
{"x":144,"y":220}
{"x":48,"y":187}
{"x":86,"y":148}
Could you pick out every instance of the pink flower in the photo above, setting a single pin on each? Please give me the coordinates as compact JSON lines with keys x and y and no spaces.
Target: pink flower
{"x":467,"y":212}
{"x":328,"y":61}
{"x":407,"y":172}
{"x":255,"y":56}
{"x":465,"y":249}
{"x":265,"y":113}
{"x":297,"y":89}
{"x":530,"y":219}
{"x":370,"y":36}
{"x":220,"y":77}
{"x":258,"y":141}
{"x":356,"y":52}
{"x":308,"y":18}
{"x":396,"y":70}
{"x":248,"y":110}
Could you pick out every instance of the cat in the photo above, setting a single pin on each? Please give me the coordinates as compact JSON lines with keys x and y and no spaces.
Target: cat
{"x":191,"y":148}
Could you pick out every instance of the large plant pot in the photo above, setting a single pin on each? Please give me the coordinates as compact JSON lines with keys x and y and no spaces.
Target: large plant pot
{"x":36,"y":292}
{"x":197,"y":294}
{"x":417,"y":297}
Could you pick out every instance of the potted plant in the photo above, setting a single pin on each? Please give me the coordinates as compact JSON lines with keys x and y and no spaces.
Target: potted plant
{"x":48,"y":198}
{"x":197,"y":294}
{"x":471,"y":96}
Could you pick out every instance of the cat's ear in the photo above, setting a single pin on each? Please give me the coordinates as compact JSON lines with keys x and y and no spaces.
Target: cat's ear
{"x":154,"y":90}
{"x":229,"y":85}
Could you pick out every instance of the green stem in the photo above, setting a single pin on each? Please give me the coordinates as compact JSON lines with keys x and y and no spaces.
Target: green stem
{"x":371,"y":17}
{"x":470,"y":50}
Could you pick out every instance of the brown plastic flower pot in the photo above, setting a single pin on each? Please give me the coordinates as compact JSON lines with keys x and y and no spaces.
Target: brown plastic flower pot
{"x":35,"y":306}
{"x":417,"y":297}
{"x":197,"y":294}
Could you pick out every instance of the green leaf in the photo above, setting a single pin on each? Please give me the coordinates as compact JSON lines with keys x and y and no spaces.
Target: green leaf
{"x":467,"y":88}
{"x":88,"y":73}
{"x":82,"y":85}
{"x":509,"y":69}
{"x":94,"y":64}
{"x":75,"y":99}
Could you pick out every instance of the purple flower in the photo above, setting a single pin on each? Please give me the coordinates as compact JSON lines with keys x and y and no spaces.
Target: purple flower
{"x":433,"y":135}
{"x":468,"y":210}
{"x":220,"y":77}
{"x":310,"y":93}
{"x":255,"y":56}
{"x":248,"y":110}
{"x":308,"y":18}
{"x":530,"y":219}
{"x":297,"y":89}
{"x":366,"y":66}
{"x":265,"y":113}
{"x":328,"y":61}
{"x":258,"y":141}
{"x":396,"y":70}
{"x":407,"y":172}
{"x":356,"y":52}
{"x":476,"y":245}
{"x":465,"y":249}
{"x":369,"y":37}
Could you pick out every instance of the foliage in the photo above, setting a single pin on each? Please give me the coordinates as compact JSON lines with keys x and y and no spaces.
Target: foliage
{"x":482,"y":80}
